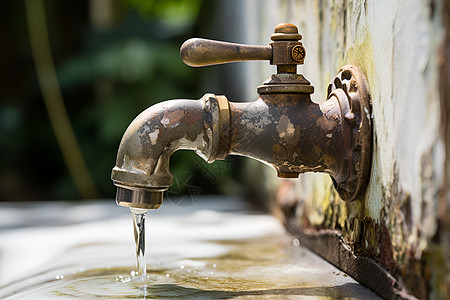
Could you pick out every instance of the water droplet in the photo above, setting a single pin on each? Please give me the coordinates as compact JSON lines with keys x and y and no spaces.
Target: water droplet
{"x":181,"y":267}
{"x":296,"y":243}
{"x":59,"y":277}
{"x":167,"y":275}
{"x":214,"y":265}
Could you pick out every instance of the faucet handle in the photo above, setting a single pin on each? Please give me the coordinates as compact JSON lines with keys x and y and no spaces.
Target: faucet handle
{"x":285,"y":50}
{"x":198,"y":52}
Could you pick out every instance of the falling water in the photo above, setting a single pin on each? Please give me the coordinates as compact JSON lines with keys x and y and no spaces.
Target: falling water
{"x":139,"y":238}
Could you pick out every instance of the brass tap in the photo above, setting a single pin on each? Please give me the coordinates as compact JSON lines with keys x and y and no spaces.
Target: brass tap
{"x":284,"y":128}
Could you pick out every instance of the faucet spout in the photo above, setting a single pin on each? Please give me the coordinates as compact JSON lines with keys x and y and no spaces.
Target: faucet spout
{"x":142,"y":173}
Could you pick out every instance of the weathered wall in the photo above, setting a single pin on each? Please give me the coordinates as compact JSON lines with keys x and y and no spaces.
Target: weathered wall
{"x":403,"y":49}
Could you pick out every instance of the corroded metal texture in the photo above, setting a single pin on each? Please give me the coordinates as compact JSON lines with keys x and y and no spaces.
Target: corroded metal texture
{"x":289,"y":132}
{"x":351,"y":89}
{"x":284,"y":128}
{"x":286,"y":83}
{"x":294,"y":135}
{"x":142,"y":164}
{"x":288,"y":52}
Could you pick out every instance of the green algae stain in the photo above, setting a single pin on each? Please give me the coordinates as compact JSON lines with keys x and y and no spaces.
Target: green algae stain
{"x":359,"y":52}
{"x":326,"y":210}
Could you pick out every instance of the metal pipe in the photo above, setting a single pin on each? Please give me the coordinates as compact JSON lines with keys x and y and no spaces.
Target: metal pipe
{"x":142,"y":170}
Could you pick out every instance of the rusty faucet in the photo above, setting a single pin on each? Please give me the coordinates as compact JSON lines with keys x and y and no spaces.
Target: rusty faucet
{"x":284,"y":128}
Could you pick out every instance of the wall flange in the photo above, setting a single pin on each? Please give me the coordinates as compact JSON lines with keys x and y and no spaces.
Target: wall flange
{"x":351,"y":89}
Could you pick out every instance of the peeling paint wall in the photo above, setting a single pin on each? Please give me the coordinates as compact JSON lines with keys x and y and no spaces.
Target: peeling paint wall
{"x":403,"y":49}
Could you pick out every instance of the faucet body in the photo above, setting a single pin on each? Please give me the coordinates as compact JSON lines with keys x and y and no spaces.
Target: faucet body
{"x":284,"y":128}
{"x":286,"y":131}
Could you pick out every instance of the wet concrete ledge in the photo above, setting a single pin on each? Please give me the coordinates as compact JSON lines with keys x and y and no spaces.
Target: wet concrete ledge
{"x":329,"y":245}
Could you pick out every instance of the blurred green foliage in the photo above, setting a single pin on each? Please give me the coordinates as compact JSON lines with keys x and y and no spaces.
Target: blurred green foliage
{"x":107,"y":77}
{"x":131,"y":66}
{"x":175,"y":12}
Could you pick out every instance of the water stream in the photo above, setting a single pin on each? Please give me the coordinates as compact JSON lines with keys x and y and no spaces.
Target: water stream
{"x":139,"y":238}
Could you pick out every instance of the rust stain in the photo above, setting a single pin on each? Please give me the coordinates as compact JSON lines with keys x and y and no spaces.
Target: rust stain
{"x":172,"y":119}
{"x":287,"y":131}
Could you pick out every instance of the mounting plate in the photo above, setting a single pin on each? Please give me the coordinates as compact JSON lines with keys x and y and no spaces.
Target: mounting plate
{"x":351,"y":89}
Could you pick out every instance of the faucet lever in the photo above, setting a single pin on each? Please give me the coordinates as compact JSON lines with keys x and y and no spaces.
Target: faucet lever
{"x":285,"y":50}
{"x":203,"y":52}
